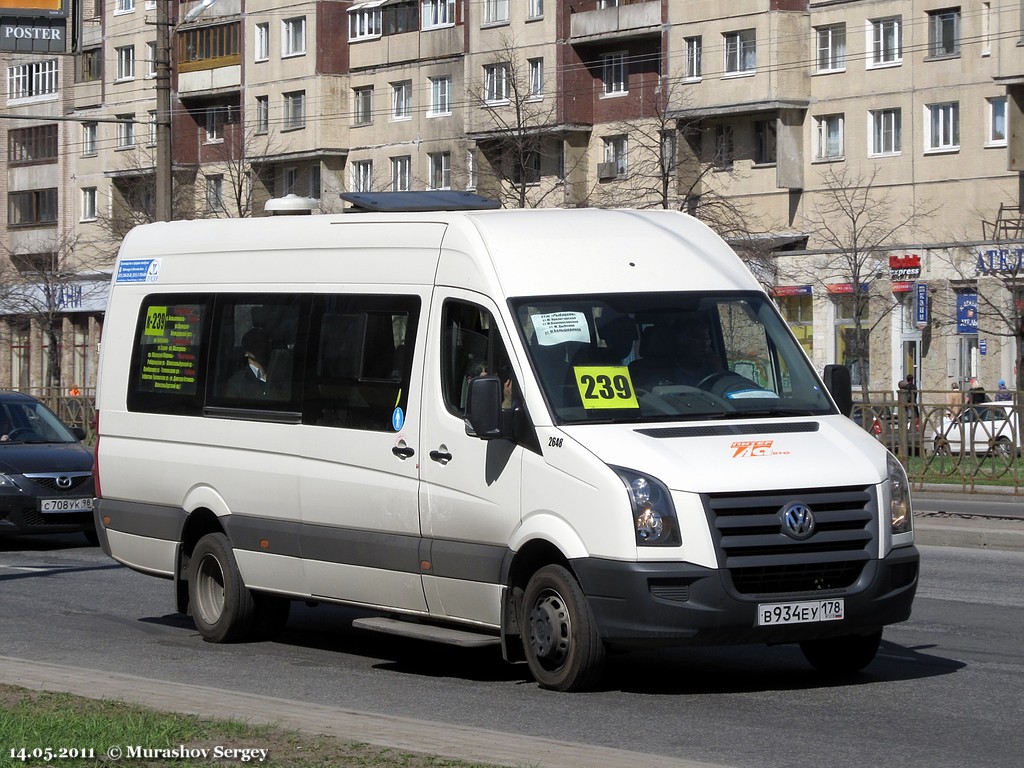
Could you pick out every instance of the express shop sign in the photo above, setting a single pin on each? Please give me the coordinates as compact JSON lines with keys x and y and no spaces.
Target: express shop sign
{"x":904,"y":271}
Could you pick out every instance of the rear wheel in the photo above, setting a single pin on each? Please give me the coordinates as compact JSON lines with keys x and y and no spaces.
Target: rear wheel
{"x":563,"y":648}
{"x":222,"y":607}
{"x":842,"y":655}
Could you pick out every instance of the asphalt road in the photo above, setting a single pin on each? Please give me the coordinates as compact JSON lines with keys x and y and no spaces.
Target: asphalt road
{"x":946,"y":689}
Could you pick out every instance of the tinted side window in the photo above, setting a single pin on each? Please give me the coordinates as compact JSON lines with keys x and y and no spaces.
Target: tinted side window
{"x":258,"y":350}
{"x":169,"y":365}
{"x":472,"y":347}
{"x":361,"y":350}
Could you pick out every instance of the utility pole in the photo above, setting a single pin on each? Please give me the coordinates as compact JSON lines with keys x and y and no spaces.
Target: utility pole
{"x":164,"y":180}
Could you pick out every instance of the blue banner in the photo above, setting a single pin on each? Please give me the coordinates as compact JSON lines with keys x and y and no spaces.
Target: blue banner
{"x":967,"y":313}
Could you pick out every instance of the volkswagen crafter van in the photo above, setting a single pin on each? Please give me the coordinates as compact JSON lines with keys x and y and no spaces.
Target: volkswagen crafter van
{"x":564,"y":432}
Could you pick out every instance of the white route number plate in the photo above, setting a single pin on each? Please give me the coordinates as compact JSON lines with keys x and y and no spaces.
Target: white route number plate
{"x":770,"y":614}
{"x":65,"y":505}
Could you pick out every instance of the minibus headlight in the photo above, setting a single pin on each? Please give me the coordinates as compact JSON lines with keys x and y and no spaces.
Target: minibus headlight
{"x":901,"y":511}
{"x":654,"y":516}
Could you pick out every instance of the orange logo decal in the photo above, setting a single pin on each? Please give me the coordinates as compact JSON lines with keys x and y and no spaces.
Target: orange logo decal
{"x":748,"y":448}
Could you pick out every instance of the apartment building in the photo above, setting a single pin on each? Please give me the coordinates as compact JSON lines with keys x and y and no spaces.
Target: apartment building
{"x":861,"y":153}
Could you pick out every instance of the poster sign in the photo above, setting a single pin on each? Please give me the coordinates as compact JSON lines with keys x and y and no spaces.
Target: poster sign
{"x":921,"y":305}
{"x":967,"y":313}
{"x":170,"y":340}
{"x":904,"y":268}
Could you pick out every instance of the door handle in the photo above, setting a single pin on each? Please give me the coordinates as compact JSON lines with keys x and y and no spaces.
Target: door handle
{"x":441,"y":457}
{"x":403,"y":451}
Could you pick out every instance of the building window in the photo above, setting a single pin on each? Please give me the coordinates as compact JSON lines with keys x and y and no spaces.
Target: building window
{"x":27,"y":81}
{"x":694,"y":51}
{"x":831,"y":48}
{"x":89,"y":67}
{"x":362,"y":101}
{"x":401,"y":173}
{"x":125,"y":131}
{"x":215,"y":193}
{"x":262,"y":114}
{"x":206,"y":47}
{"x":799,"y":314}
{"x":471,"y":169}
{"x":996,"y":121}
{"x":535,"y":9}
{"x":125,"y":62}
{"x":32,"y":207}
{"x":440,"y":95}
{"x":124,"y":6}
{"x":668,"y":152}
{"x":293,"y":36}
{"x":986,"y":29}
{"x":294,"y":110}
{"x":613,"y":73}
{"x":536,"y":78}
{"x":765,"y":142}
{"x":362,"y":176}
{"x":740,"y":51}
{"x":314,"y":182}
{"x":401,"y":100}
{"x":725,"y":147}
{"x":828,"y":140}
{"x":944,"y":32}
{"x":886,"y":41}
{"x":32,"y":146}
{"x":438,"y":13}
{"x":151,"y":125}
{"x":214,"y":125}
{"x":151,"y":59}
{"x":289,"y":178}
{"x":261,"y":42}
{"x":495,"y":83}
{"x":89,"y":138}
{"x":885,"y":131}
{"x":364,"y":23}
{"x":943,"y":121}
{"x":853,"y":345}
{"x":615,"y":151}
{"x":88,"y":203}
{"x":440,"y":170}
{"x":495,"y":11}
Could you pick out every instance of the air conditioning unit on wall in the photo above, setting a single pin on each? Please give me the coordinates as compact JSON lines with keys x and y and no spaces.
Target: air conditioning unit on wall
{"x":607,"y":170}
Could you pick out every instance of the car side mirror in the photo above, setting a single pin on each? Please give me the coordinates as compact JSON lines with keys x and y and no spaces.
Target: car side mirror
{"x":483,"y":408}
{"x":840,"y":385}
{"x":78,"y":432}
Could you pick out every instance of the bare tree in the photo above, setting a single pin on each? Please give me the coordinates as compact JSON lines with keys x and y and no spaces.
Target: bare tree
{"x":522,"y":142}
{"x":40,"y":286}
{"x":853,"y":222}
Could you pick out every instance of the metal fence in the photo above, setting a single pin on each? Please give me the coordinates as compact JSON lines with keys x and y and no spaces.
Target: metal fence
{"x":938,"y":441}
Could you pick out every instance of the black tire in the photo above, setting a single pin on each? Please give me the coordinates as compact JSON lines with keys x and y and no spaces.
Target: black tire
{"x":842,"y":655}
{"x":562,"y":646}
{"x":271,"y":615}
{"x":222,"y":608}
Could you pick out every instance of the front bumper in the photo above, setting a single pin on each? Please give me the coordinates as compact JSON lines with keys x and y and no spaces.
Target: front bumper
{"x":638,"y":605}
{"x":22,"y":520}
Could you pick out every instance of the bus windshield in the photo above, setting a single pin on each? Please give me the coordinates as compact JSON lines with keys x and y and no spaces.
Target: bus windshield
{"x":643,"y":357}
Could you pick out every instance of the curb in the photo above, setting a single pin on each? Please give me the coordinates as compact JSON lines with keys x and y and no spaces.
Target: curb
{"x":946,"y":530}
{"x":406,"y":734}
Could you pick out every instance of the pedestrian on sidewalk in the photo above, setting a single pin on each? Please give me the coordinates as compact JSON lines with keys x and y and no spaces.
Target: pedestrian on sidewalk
{"x":1002,"y":393}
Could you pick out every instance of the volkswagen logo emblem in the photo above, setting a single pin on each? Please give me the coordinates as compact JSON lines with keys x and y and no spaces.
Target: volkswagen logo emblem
{"x":797,"y":521}
{"x":64,"y":482}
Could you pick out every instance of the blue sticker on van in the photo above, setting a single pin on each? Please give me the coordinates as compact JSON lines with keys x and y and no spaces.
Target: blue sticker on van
{"x":398,"y":419}
{"x":138,"y":271}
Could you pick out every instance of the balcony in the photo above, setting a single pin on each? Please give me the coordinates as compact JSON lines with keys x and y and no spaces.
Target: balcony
{"x":622,"y":22}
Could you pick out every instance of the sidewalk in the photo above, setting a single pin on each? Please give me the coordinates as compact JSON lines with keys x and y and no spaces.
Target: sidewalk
{"x":452,"y":741}
{"x":949,"y":530}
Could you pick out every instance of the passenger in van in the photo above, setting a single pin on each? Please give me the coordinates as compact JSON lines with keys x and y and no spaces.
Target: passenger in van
{"x":250,"y":381}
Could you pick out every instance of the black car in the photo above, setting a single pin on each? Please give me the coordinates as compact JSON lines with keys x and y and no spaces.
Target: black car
{"x":46,"y":483}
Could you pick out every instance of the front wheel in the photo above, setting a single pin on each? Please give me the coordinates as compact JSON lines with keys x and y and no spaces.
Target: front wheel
{"x":222,"y":607}
{"x":563,"y":648}
{"x":842,"y":655}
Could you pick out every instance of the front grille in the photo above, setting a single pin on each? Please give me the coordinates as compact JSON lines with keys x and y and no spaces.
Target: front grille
{"x":762,"y":560}
{"x":49,"y":481}
{"x":35,"y":518}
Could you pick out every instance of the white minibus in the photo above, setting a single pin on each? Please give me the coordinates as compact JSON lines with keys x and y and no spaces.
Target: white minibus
{"x":565,"y":433}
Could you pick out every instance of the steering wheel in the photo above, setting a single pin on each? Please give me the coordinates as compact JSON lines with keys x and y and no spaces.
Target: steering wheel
{"x":17,"y":432}
{"x":713,"y":378}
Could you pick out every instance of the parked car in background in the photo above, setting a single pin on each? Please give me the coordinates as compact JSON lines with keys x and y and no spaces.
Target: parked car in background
{"x":983,"y":429}
{"x":46,"y":483}
{"x":883,"y":423}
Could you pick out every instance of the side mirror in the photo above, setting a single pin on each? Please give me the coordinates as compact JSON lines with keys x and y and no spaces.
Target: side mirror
{"x":78,"y":432}
{"x":483,"y":408}
{"x":840,"y":385}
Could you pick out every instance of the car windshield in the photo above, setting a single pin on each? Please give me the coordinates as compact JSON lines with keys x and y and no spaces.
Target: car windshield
{"x":666,"y":357}
{"x":30,"y":422}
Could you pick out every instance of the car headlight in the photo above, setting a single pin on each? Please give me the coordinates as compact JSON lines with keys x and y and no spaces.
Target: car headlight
{"x":654,"y":516}
{"x":900,"y":509}
{"x":7,"y":482}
